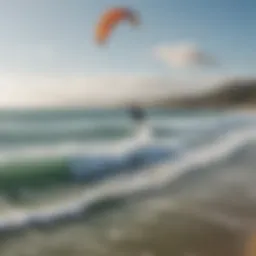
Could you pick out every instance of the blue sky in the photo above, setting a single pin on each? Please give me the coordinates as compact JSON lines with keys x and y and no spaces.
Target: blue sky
{"x":56,"y":36}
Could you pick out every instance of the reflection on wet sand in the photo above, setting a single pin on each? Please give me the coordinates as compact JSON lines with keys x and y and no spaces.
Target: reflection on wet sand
{"x":159,"y":233}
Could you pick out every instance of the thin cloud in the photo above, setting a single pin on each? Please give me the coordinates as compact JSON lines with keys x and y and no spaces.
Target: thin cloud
{"x":184,"y":55}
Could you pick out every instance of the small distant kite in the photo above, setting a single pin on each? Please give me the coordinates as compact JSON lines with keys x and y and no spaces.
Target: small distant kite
{"x":110,"y":19}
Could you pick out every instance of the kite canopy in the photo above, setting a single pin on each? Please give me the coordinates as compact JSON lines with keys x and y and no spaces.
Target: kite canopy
{"x":110,"y":19}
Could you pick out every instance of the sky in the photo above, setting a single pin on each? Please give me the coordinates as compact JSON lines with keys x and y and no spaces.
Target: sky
{"x":49,"y":56}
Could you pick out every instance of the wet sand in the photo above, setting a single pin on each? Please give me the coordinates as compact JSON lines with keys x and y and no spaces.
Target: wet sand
{"x":159,"y":230}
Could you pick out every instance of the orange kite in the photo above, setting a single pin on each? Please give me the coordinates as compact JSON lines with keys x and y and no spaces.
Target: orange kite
{"x":110,"y":19}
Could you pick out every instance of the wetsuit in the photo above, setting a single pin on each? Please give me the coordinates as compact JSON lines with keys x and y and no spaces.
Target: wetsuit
{"x":137,"y":114}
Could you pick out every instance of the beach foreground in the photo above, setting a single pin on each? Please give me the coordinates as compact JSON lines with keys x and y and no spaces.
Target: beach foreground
{"x":159,"y":231}
{"x":201,"y":202}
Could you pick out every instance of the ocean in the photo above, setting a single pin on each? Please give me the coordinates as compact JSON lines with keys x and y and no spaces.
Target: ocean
{"x":88,"y":182}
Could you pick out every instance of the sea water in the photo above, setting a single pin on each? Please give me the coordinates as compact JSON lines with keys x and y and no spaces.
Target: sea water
{"x":200,"y":200}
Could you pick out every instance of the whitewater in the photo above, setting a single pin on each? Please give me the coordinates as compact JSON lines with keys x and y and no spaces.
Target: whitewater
{"x":56,"y":150}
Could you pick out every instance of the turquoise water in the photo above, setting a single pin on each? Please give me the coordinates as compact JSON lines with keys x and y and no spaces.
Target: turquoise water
{"x":205,"y":158}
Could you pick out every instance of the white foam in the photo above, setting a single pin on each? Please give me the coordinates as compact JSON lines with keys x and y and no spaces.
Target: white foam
{"x":57,"y":126}
{"x":53,"y":126}
{"x":151,"y":178}
{"x":186,"y":123}
{"x":142,"y":137}
{"x":61,"y":150}
{"x":72,"y":148}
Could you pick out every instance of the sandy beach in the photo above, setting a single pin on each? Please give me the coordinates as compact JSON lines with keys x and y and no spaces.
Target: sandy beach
{"x":161,"y":231}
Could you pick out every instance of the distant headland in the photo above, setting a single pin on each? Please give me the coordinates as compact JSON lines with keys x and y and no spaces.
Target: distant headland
{"x":233,"y":94}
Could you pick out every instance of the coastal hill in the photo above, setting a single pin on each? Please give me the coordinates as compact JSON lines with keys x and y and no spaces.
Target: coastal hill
{"x":233,"y":94}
